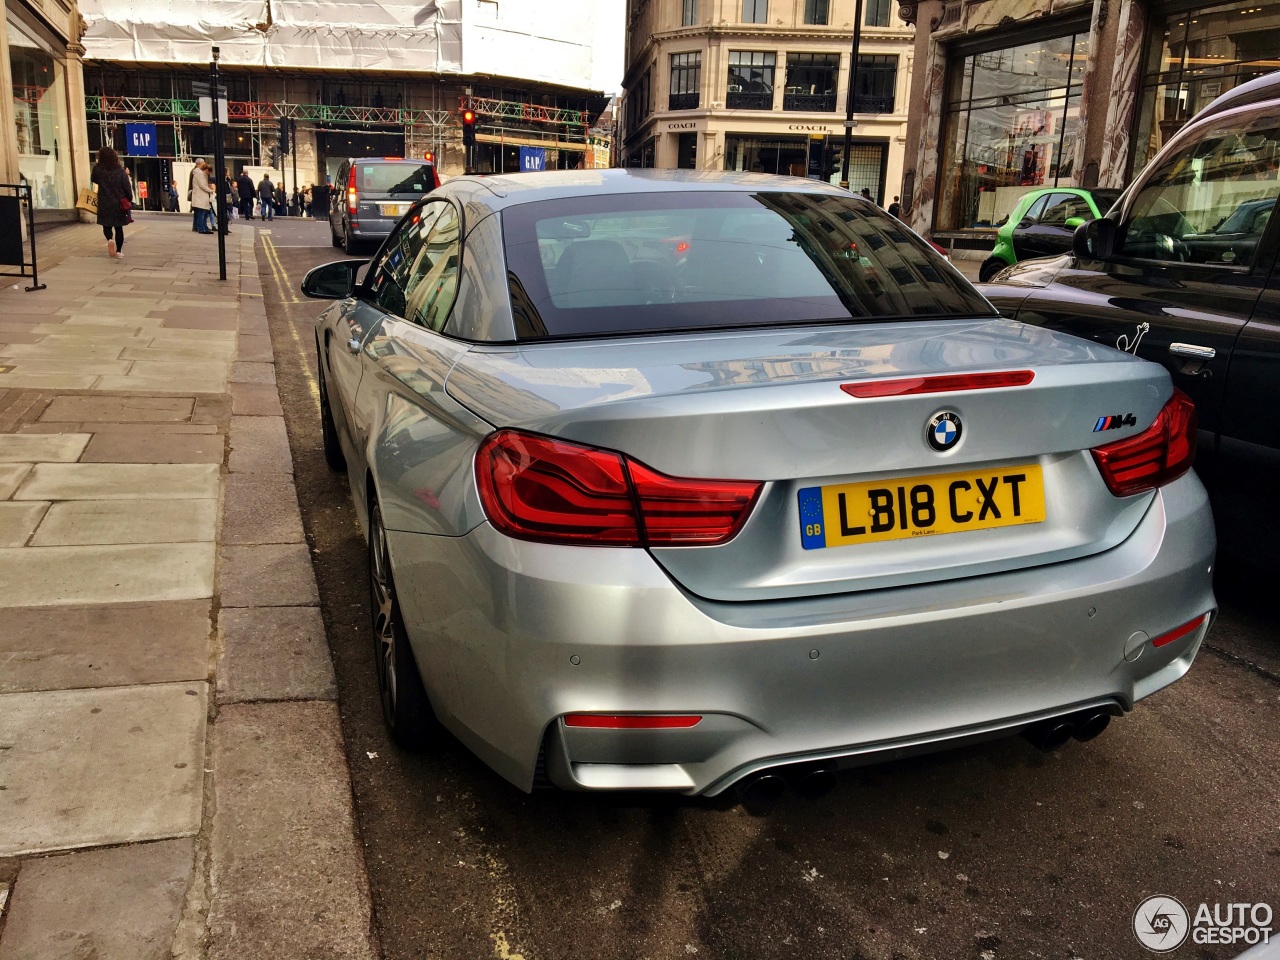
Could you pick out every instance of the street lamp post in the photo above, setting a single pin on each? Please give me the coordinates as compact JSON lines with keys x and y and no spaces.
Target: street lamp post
{"x":218,"y":161}
{"x":849,"y":122}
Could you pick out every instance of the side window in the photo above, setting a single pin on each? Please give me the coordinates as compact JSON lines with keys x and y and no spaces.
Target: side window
{"x":1062,"y":207}
{"x":432,"y":282}
{"x":1033,"y":213}
{"x":392,"y":273}
{"x":1193,"y":206}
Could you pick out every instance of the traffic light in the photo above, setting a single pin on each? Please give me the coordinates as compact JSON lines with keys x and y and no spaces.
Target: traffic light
{"x":284,"y":135}
{"x":468,"y":128}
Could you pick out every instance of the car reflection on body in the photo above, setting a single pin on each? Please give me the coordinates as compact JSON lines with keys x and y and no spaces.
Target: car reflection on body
{"x":781,"y":496}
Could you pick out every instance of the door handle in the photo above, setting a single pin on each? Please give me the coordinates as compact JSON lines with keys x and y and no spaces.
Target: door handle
{"x":1192,"y":351}
{"x":354,"y":345}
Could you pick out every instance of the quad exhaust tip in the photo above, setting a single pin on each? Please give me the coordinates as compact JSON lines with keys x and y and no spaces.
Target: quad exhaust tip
{"x":760,"y":792}
{"x":1050,"y":735}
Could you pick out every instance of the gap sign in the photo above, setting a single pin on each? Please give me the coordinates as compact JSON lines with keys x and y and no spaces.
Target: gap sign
{"x":141,"y":140}
{"x":532,"y":159}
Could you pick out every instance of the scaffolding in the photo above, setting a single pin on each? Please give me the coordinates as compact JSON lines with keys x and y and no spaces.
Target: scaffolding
{"x":424,"y":130}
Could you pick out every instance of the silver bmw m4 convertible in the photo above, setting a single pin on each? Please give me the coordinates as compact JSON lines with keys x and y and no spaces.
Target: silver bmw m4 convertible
{"x":675,"y":481}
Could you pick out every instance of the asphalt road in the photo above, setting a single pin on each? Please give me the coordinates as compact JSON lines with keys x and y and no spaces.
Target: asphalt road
{"x":988,"y":852}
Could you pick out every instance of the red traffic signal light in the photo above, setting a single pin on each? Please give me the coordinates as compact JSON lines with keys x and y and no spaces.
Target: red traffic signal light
{"x":468,"y":128}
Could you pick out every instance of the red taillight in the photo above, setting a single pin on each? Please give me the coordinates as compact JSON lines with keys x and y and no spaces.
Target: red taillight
{"x":554,"y":491}
{"x":946,"y":383}
{"x":353,"y":198}
{"x":632,"y":721}
{"x":1180,"y":632}
{"x":1160,"y":454}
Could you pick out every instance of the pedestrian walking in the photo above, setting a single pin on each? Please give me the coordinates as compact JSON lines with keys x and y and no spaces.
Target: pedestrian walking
{"x":866,"y":194}
{"x":895,"y":208}
{"x":295,"y":203}
{"x":247,"y":192}
{"x":115,"y":199}
{"x":173,"y":198}
{"x":267,"y":197}
{"x":191,"y":180}
{"x":306,"y":200}
{"x":201,"y":197}
{"x":278,"y":199}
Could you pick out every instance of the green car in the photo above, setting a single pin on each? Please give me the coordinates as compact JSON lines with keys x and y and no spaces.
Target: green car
{"x":1042,"y":223}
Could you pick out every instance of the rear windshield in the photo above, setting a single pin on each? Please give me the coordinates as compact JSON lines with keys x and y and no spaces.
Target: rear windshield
{"x":410,"y":179}
{"x":683,"y":261}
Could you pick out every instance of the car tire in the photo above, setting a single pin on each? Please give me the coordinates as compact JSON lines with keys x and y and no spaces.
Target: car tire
{"x":348,"y":242}
{"x":405,"y":707}
{"x":334,"y":238}
{"x":989,"y":269}
{"x":333,"y":454}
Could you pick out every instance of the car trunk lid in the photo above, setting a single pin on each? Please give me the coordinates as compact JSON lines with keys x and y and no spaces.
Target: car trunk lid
{"x":769,"y":406}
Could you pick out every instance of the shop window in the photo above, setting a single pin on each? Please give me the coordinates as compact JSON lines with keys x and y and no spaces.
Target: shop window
{"x":1011,"y":122}
{"x":755,"y":11}
{"x":816,"y":12}
{"x":750,"y":80}
{"x":811,"y":81}
{"x":878,"y":11}
{"x":785,"y":155}
{"x":1196,"y":56}
{"x":40,"y":119}
{"x":877,"y":82}
{"x":686,"y":79}
{"x":689,"y":13}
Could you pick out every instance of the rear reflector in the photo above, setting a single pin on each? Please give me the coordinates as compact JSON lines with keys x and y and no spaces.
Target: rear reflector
{"x":631,"y":721}
{"x":1180,"y":632}
{"x":553,"y":491}
{"x":945,"y":383}
{"x":1159,"y":455}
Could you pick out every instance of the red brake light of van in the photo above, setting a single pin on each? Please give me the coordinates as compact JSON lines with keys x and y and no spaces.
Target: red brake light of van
{"x":1156,"y":456}
{"x":554,"y":491}
{"x":946,"y":383}
{"x":353,"y":197}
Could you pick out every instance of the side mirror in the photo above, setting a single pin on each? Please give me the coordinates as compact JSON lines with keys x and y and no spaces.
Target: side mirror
{"x":332,"y":281}
{"x":1095,"y":240}
{"x":1073,"y":222}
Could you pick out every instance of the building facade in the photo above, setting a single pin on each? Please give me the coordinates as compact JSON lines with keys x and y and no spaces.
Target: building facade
{"x":760,"y":85}
{"x":42,"y":131}
{"x":1015,"y":95}
{"x":358,"y":78}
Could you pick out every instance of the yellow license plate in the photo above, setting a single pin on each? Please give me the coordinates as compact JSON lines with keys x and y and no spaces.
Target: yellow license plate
{"x":846,"y":513}
{"x":391,"y":209}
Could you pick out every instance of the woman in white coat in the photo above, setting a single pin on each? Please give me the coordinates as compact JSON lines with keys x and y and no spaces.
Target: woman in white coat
{"x":201,"y":197}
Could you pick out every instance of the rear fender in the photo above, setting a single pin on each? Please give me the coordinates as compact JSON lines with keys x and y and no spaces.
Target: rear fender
{"x":420,"y":460}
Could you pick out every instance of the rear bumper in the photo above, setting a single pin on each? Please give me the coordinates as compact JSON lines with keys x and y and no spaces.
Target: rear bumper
{"x":511,"y":636}
{"x":372,"y":228}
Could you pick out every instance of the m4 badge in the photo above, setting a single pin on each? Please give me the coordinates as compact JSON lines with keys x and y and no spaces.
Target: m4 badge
{"x":1115,"y":422}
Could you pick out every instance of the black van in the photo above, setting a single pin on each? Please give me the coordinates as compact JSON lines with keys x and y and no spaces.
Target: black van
{"x":371,"y":193}
{"x":1184,"y":271}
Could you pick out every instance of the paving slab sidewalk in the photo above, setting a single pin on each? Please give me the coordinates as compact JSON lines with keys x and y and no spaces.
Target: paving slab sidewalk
{"x":172,"y":779}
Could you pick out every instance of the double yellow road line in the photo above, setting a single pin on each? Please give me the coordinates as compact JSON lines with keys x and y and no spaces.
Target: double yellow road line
{"x":285,"y":288}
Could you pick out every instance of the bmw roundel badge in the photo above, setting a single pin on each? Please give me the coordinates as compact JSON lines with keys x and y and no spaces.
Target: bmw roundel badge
{"x":943,"y":430}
